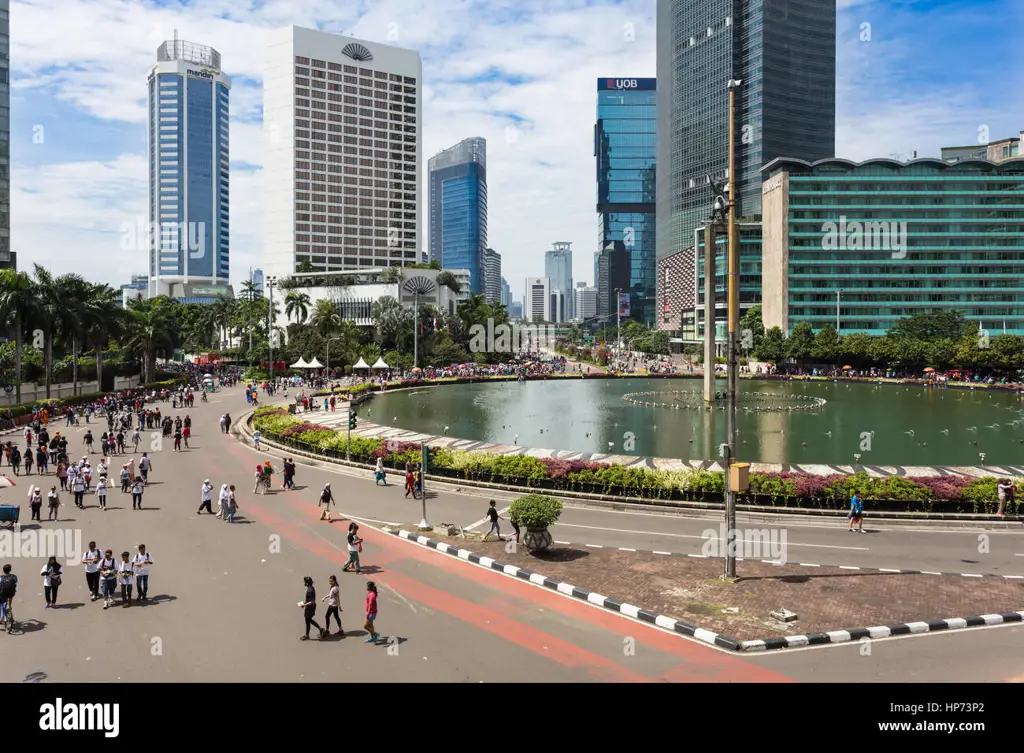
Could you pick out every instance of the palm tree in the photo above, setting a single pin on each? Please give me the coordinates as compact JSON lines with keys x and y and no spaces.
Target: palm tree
{"x":388,"y":317}
{"x":74,"y":292}
{"x":103,"y":314}
{"x":148,"y":330}
{"x":49,"y":310}
{"x":298,"y":304}
{"x":223,"y":314}
{"x":18,"y":305}
{"x":326,"y":318}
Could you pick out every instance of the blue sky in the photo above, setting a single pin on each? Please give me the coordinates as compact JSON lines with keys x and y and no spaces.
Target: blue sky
{"x":521,"y":73}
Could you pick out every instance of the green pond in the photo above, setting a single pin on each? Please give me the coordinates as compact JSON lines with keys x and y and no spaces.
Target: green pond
{"x":885,"y":424}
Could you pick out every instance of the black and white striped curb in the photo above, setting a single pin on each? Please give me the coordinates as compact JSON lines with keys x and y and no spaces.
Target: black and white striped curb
{"x":875,"y":633}
{"x":888,"y":570}
{"x":668,"y":623}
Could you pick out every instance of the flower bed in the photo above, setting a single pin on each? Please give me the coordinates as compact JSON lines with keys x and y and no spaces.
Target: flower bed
{"x":946,"y":494}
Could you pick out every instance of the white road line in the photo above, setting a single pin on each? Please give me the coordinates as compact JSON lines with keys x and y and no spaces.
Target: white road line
{"x":484,"y":520}
{"x":693,"y":536}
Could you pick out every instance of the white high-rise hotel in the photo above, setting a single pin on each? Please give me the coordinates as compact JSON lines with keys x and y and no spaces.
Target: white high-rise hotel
{"x":342,"y":173}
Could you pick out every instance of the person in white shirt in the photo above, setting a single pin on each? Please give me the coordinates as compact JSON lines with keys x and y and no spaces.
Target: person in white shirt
{"x":101,"y":492}
{"x":145,"y":465}
{"x":125,"y":570}
{"x":256,"y":439}
{"x":52,"y":573}
{"x":137,"y":490}
{"x":53,"y":502}
{"x":206,"y":503}
{"x":79,"y":489}
{"x":136,"y":437}
{"x":87,"y":474}
{"x":92,"y":559}
{"x":108,"y":578}
{"x":225,"y":503}
{"x":142,"y":561}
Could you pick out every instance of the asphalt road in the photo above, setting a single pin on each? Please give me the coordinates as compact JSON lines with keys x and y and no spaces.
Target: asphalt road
{"x":225,"y":595}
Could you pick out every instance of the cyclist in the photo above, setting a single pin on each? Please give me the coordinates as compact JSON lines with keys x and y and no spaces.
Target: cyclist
{"x":8,"y":590}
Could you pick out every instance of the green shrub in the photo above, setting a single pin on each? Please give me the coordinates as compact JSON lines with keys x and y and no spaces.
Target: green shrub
{"x":536,"y":511}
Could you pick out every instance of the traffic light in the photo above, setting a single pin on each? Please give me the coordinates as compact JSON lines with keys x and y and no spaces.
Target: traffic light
{"x":351,"y":419}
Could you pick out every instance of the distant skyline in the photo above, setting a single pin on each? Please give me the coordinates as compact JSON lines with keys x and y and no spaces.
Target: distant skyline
{"x":520,"y":75}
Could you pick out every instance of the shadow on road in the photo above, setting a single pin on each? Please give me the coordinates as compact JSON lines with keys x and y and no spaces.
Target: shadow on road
{"x":71,"y":605}
{"x":35,"y":677}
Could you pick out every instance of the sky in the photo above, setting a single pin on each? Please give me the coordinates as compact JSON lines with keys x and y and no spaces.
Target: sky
{"x":912,"y":75}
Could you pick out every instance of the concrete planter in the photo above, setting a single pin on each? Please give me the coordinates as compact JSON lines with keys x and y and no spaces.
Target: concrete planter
{"x":537,"y":539}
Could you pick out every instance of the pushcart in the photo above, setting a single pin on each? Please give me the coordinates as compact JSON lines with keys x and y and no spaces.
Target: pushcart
{"x":9,"y":515}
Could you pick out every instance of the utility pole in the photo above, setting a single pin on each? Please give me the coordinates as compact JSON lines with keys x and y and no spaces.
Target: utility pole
{"x":250,"y":313}
{"x":710,"y":327}
{"x":734,"y":316}
{"x":618,"y":326}
{"x":270,"y":323}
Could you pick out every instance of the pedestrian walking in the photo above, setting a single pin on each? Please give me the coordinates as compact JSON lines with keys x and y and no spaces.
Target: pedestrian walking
{"x":141,"y":564}
{"x":108,"y":578}
{"x":371,"y":613}
{"x":856,"y":514}
{"x":410,"y":483}
{"x":138,"y":487}
{"x":355,"y":547}
{"x":494,"y":518}
{"x":1005,"y":489}
{"x":79,"y":488}
{"x":52,"y":573}
{"x":326,"y":499}
{"x":308,"y":607}
{"x":379,"y":476}
{"x":101,"y":492}
{"x":333,"y":607}
{"x":35,"y":502}
{"x":515,"y":525}
{"x":126,"y":479}
{"x":225,"y":503}
{"x":53,"y":501}
{"x":92,"y":559}
{"x":145,"y":466}
{"x":206,"y":498}
{"x":125,"y":571}
{"x":232,"y":504}
{"x":289,"y":474}
{"x":256,"y":439}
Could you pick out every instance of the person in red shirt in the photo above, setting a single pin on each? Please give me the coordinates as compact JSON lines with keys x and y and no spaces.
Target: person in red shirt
{"x":371,"y":613}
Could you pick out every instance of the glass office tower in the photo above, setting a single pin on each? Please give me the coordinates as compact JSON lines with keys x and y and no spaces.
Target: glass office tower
{"x":188,"y":172}
{"x":458,"y":209}
{"x":784,"y":52}
{"x":873,"y":242}
{"x":625,"y":148}
{"x":8,"y":259}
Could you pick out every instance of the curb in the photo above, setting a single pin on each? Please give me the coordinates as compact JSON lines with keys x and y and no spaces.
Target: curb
{"x":886,"y":570}
{"x":833,"y":637}
{"x":669,"y":623}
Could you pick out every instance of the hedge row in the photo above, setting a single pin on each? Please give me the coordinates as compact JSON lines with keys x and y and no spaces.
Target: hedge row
{"x":946,"y":494}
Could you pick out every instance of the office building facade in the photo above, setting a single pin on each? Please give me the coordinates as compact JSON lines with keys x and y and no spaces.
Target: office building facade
{"x":458,"y":209}
{"x":342,"y":129}
{"x":677,"y":295}
{"x":188,"y":238}
{"x":586,"y":301}
{"x":626,"y":152}
{"x":558,"y":269}
{"x":257,"y":279}
{"x":870,"y":243}
{"x":492,"y":276}
{"x":537,"y":300}
{"x":784,"y":52}
{"x":614,"y":272}
{"x":750,"y":277}
{"x":506,"y":293}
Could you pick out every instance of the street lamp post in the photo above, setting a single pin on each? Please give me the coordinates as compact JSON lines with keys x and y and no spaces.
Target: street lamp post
{"x":270,"y":324}
{"x":734,"y":316}
{"x":618,"y":326}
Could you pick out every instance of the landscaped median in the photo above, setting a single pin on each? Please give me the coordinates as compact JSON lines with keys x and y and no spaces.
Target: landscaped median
{"x":895,"y":494}
{"x":686,"y":594}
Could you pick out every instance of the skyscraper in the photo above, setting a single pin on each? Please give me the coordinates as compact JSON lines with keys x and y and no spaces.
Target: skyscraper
{"x":626,"y":151}
{"x":8,"y":259}
{"x":342,"y":126}
{"x":537,"y":300}
{"x":558,"y":269}
{"x":257,"y":279}
{"x":458,"y":209}
{"x":189,"y":205}
{"x":784,"y":52}
{"x":492,"y":275}
{"x":506,"y":293}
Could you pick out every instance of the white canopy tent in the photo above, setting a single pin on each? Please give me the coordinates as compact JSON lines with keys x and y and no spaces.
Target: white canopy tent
{"x":314,"y":364}
{"x":361,"y":365}
{"x":300,"y":364}
{"x":380,"y":364}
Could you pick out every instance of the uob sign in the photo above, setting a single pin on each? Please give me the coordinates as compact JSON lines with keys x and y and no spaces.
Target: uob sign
{"x":622,"y":83}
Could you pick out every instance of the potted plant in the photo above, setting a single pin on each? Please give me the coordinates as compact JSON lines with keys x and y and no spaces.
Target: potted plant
{"x":536,"y":513}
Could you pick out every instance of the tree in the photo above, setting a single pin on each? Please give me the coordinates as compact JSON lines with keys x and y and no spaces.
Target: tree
{"x":826,"y":346}
{"x":934,"y":326}
{"x":102,"y":315}
{"x":297,"y":304}
{"x":18,"y":306}
{"x":391,"y":275}
{"x":753,"y":323}
{"x":48,"y":311}
{"x":800,"y":342}
{"x":448,"y":280}
{"x":326,"y":318}
{"x":148,"y":331}
{"x":773,"y":347}
{"x":388,"y":316}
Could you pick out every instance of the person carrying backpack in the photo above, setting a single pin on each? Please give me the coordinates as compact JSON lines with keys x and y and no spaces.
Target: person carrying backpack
{"x":326,"y":499}
{"x":8,"y":590}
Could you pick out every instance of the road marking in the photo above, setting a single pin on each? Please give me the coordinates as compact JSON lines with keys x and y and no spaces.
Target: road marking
{"x":693,"y":536}
{"x":484,"y":520}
